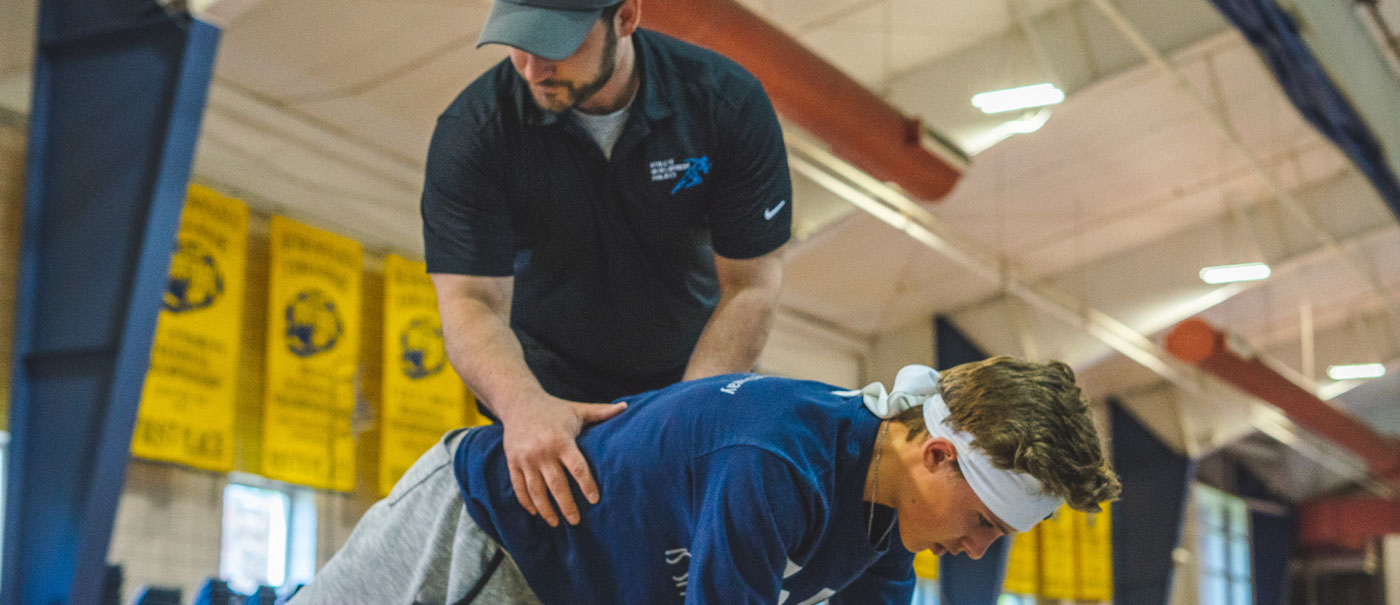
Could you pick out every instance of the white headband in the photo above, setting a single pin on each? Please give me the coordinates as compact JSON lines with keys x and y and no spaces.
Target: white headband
{"x":1016,"y":497}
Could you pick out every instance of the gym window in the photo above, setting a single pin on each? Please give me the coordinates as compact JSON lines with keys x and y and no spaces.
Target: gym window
{"x":1222,"y":547}
{"x":253,"y":550}
{"x":269,"y":535}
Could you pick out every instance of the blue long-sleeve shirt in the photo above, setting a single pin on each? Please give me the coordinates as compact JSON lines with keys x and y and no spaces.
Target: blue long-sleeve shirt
{"x":734,"y":489}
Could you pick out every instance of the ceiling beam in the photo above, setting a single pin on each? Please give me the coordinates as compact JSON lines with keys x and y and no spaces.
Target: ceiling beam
{"x":858,"y":125}
{"x":1230,"y":360}
{"x":1346,"y":523}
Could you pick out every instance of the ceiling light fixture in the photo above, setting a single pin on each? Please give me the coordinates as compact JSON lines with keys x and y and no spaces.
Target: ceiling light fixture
{"x":1024,"y":97}
{"x":1353,"y":371}
{"x":1030,"y":124}
{"x":1224,"y":274}
{"x":983,"y":140}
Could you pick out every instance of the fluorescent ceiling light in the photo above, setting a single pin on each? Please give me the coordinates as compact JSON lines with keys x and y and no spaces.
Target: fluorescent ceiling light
{"x":1225,"y":274}
{"x":1024,"y":97}
{"x":1353,"y":371}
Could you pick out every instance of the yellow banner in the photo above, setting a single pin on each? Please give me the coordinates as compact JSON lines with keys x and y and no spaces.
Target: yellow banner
{"x":313,"y":344}
{"x":423,"y":397}
{"x":1057,"y":555}
{"x":1023,"y":564}
{"x":1094,"y":540}
{"x":926,"y":565}
{"x":187,"y":404}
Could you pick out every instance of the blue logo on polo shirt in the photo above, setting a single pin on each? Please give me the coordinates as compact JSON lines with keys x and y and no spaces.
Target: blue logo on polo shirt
{"x":695,"y":172}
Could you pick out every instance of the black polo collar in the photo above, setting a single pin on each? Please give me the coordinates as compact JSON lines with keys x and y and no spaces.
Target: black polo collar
{"x":656,"y":85}
{"x":652,"y":93}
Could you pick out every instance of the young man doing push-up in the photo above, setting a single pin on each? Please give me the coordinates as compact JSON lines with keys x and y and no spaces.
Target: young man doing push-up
{"x":742,"y":489}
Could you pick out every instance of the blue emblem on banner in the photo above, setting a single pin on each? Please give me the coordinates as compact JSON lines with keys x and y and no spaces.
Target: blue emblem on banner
{"x":195,"y":281}
{"x":313,"y":323}
{"x":422,"y":351}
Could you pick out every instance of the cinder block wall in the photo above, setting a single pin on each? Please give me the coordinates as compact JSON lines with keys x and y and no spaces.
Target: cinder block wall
{"x":168,"y":527}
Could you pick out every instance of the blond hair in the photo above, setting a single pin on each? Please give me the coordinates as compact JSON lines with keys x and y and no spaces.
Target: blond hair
{"x":1028,"y":417}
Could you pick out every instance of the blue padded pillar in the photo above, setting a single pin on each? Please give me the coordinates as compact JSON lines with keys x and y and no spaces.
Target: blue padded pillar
{"x":964,"y":580}
{"x":1147,"y":520}
{"x":1272,"y":540}
{"x":119,"y":91}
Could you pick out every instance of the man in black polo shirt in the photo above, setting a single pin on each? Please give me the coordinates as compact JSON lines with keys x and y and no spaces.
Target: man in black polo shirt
{"x":603,"y":215}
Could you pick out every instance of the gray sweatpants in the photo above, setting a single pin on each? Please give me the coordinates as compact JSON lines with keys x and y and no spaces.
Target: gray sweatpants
{"x":419,"y":546}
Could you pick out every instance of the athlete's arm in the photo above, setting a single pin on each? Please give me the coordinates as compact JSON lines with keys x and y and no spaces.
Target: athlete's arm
{"x":754,"y":508}
{"x":540,"y":429}
{"x":735,"y":334}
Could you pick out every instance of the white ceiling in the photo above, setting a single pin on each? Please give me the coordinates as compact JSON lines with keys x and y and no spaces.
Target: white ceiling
{"x":322,"y":109}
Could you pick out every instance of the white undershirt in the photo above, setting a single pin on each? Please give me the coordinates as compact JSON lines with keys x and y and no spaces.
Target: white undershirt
{"x":605,"y":129}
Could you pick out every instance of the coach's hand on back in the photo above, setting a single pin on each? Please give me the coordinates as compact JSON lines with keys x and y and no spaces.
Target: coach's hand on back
{"x":542,"y":453}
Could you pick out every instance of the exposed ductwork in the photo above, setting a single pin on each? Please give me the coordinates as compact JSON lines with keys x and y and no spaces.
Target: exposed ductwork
{"x":1199,"y":343}
{"x":858,"y":125}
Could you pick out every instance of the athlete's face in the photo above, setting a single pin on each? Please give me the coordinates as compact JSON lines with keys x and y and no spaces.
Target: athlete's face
{"x":561,"y":85}
{"x":941,"y":512}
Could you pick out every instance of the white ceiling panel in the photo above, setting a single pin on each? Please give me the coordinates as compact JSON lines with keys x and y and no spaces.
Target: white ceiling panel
{"x":866,"y":254}
{"x":338,"y":43}
{"x":854,"y":46}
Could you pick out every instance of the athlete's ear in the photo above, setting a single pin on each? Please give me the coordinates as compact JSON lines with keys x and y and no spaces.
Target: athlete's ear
{"x":937,"y":450}
{"x":629,"y":15}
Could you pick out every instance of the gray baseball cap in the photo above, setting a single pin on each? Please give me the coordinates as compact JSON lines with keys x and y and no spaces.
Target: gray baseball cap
{"x":552,"y":29}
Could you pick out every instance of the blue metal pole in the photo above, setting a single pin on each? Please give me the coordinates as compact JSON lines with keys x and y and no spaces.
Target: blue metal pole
{"x":1147,"y":520}
{"x":119,"y":92}
{"x":963,"y":579}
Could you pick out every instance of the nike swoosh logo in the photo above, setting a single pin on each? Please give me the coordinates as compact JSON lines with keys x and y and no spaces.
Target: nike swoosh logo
{"x":769,"y":213}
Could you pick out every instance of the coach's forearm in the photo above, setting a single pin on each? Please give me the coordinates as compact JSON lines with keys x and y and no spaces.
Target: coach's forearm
{"x":738,"y":329}
{"x":734,"y":337}
{"x":487,"y":355}
{"x":480,"y":344}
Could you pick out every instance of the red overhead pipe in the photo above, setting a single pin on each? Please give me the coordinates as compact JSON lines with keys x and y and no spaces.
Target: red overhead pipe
{"x":1199,"y":343}
{"x":859,"y":126}
{"x":1346,"y":523}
